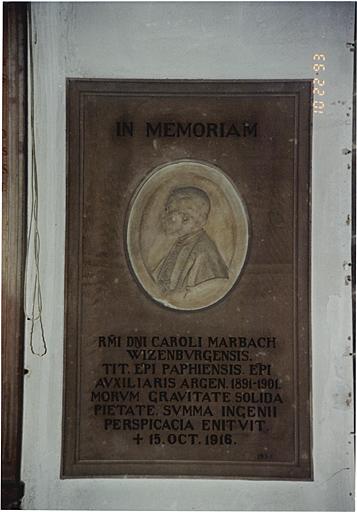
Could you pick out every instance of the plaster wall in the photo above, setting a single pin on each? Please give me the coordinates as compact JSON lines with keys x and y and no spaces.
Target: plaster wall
{"x":217,"y":40}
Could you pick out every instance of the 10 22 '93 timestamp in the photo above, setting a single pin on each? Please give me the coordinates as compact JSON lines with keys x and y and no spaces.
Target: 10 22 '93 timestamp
{"x":319,"y":90}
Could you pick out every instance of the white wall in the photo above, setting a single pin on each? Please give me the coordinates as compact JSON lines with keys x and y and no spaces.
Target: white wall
{"x":199,"y":40}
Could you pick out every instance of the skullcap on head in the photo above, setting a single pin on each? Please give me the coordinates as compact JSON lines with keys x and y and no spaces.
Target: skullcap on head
{"x":193,"y":193}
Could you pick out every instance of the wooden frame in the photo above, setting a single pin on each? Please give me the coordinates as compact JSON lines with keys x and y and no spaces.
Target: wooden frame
{"x":14,"y":245}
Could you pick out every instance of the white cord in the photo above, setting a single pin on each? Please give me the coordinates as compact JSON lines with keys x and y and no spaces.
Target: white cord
{"x":33,"y":237}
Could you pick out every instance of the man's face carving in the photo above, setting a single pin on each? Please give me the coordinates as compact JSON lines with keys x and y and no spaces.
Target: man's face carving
{"x":185,"y":212}
{"x":173,"y":219}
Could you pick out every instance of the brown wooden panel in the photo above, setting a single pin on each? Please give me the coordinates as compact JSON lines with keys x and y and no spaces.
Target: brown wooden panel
{"x":14,"y":223}
{"x":187,"y":279}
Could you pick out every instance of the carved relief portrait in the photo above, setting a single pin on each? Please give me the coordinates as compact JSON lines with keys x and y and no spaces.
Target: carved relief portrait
{"x":187,"y":235}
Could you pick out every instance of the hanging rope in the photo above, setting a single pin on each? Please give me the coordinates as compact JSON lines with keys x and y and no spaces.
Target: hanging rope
{"x":34,"y":312}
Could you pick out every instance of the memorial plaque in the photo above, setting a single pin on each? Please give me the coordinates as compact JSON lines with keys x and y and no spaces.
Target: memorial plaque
{"x":187,"y":337}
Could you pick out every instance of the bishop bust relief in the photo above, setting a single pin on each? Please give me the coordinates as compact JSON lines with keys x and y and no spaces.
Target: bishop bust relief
{"x":187,"y":235}
{"x":194,"y":257}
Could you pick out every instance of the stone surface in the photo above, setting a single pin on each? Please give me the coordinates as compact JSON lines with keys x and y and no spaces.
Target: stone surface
{"x":187,"y":327}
